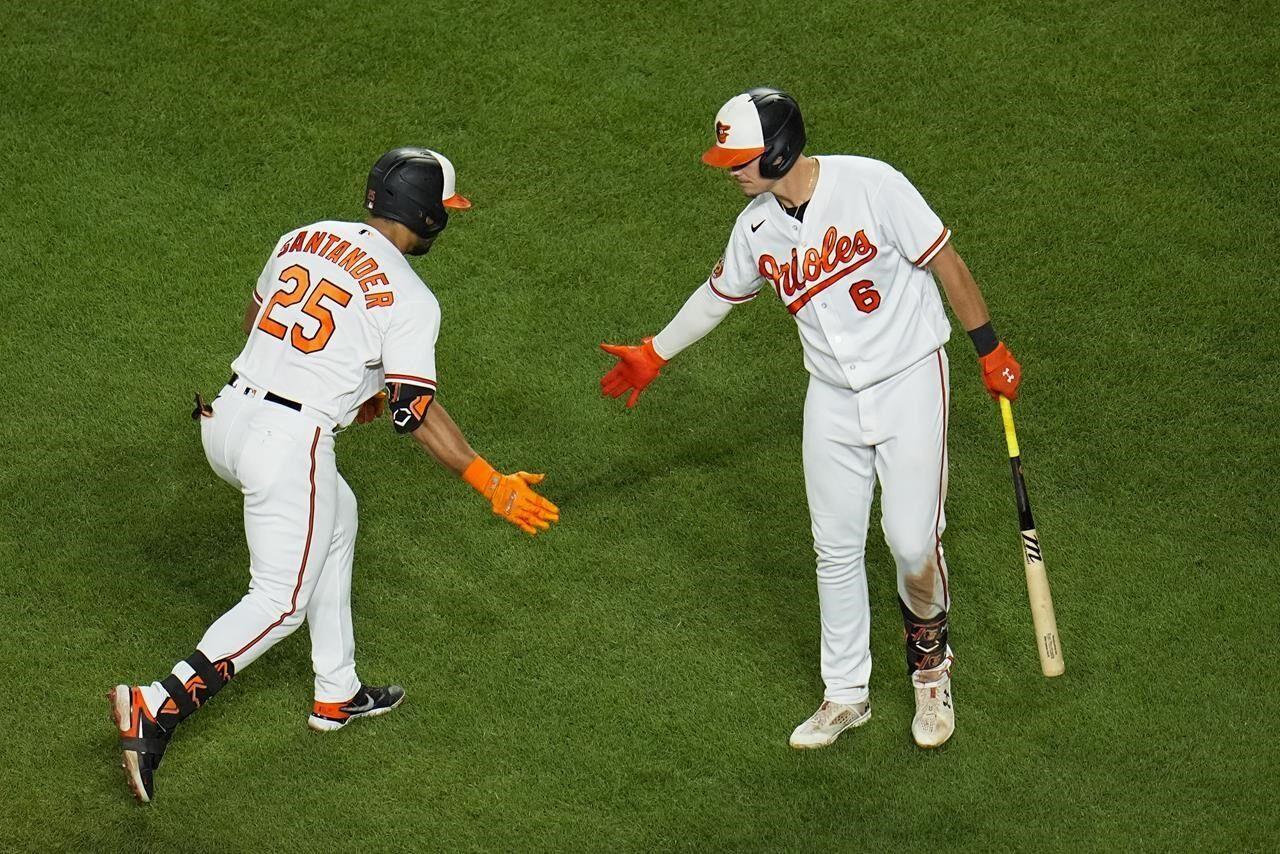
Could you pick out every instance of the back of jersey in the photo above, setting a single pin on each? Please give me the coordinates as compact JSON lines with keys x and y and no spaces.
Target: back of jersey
{"x":340,"y":313}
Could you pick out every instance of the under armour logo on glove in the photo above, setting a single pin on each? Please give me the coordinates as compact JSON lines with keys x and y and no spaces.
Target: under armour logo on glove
{"x":1001,"y":373}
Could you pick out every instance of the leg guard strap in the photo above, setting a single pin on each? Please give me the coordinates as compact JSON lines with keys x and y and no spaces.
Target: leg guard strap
{"x":214,"y":676}
{"x":153,"y":746}
{"x":178,"y":693}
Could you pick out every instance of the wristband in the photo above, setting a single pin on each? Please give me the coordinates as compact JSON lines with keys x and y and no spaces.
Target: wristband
{"x":652,"y":352}
{"x":984,"y":339}
{"x":483,"y":477}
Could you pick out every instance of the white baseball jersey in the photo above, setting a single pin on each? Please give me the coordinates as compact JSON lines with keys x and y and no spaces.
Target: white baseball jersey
{"x":341,"y":314}
{"x":852,"y":273}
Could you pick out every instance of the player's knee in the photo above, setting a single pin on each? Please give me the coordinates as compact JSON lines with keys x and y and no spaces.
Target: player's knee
{"x":838,"y":563}
{"x":348,"y":521}
{"x":281,"y":615}
{"x":279,"y":601}
{"x":911,"y":549}
{"x":294,"y":618}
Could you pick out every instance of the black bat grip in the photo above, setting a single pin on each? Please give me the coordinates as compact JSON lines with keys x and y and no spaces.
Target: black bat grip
{"x":1020,"y":494}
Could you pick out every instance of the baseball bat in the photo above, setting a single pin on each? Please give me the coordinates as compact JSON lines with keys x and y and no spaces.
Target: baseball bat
{"x":1042,"y":615}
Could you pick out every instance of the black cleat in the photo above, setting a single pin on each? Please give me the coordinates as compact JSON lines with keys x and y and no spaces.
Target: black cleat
{"x":370,"y":701}
{"x":142,"y":741}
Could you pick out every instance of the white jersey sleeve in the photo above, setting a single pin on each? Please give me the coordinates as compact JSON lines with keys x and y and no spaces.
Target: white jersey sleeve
{"x":700,"y":314}
{"x":735,"y":277}
{"x":908,"y":221}
{"x":409,"y":342}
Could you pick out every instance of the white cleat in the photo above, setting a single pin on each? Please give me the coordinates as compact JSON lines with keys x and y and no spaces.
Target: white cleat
{"x":935,"y":718}
{"x":826,"y":724}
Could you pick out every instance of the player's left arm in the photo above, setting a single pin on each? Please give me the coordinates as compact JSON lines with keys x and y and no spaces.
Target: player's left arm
{"x":1001,"y":373}
{"x":510,"y":495}
{"x":408,"y":360}
{"x":440,"y":436}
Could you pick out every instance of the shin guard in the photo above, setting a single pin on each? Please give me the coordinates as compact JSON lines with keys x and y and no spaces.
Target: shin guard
{"x":926,"y":640}
{"x":186,"y":697}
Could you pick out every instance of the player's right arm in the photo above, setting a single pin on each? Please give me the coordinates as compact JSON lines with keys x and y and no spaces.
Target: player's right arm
{"x":733,"y":280}
{"x":256,"y":297}
{"x":250,"y":315}
{"x":440,"y":437}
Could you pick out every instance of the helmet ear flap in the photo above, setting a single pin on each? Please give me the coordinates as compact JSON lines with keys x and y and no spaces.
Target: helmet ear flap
{"x":776,"y":161}
{"x":783,"y":128}
{"x":406,"y":186}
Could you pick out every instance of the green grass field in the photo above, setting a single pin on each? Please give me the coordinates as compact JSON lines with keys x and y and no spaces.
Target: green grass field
{"x":627,"y":682}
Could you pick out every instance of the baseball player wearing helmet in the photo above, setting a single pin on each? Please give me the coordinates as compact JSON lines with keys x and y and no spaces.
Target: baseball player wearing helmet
{"x":339,"y":327}
{"x":852,"y":251}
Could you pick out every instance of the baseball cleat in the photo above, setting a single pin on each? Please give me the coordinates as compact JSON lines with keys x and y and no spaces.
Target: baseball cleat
{"x":142,"y":741}
{"x":935,"y":718}
{"x":369,"y":702}
{"x":826,"y":724}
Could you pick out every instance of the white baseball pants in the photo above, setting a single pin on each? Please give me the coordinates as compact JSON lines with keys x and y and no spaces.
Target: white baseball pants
{"x":894,"y":431}
{"x":300,"y":523}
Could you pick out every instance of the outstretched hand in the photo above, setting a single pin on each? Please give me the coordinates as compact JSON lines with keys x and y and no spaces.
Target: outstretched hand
{"x":512,"y":496}
{"x":514,"y":500}
{"x":636,"y":368}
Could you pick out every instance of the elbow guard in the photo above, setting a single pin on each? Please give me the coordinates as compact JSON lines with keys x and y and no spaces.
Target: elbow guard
{"x":408,"y":404}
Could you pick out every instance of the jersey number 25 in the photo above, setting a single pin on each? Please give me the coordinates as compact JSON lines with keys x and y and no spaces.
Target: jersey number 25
{"x":313,"y":308}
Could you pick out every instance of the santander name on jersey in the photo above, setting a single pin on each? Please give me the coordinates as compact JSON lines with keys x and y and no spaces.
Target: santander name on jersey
{"x":341,"y":313}
{"x":852,"y":273}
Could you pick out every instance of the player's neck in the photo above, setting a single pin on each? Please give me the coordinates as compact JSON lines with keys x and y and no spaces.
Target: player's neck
{"x":399,"y":235}
{"x":796,"y":187}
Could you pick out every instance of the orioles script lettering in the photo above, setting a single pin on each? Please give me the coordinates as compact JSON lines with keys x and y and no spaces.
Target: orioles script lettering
{"x":794,"y":275}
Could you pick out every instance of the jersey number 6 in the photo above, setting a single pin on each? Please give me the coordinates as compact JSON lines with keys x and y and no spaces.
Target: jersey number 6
{"x":301,"y":289}
{"x":864,"y":295}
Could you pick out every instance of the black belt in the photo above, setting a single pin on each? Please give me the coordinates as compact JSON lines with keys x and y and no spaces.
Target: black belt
{"x":272,"y":396}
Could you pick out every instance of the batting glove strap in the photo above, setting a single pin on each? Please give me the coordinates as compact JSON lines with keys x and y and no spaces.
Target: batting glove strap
{"x":483,"y":477}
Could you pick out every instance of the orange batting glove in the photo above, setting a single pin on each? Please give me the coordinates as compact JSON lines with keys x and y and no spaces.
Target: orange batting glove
{"x":1001,"y":373}
{"x":636,"y":368}
{"x":372,"y":408}
{"x":511,"y":497}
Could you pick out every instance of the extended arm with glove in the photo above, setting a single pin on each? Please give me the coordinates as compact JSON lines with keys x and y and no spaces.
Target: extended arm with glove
{"x":639,"y":366}
{"x":510,"y":495}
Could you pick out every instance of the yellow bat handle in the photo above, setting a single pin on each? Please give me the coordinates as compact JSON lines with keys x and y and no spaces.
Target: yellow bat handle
{"x":1010,"y":436}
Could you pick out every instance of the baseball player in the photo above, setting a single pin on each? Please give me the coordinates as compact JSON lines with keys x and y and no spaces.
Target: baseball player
{"x":852,"y":250}
{"x":337,"y":316}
